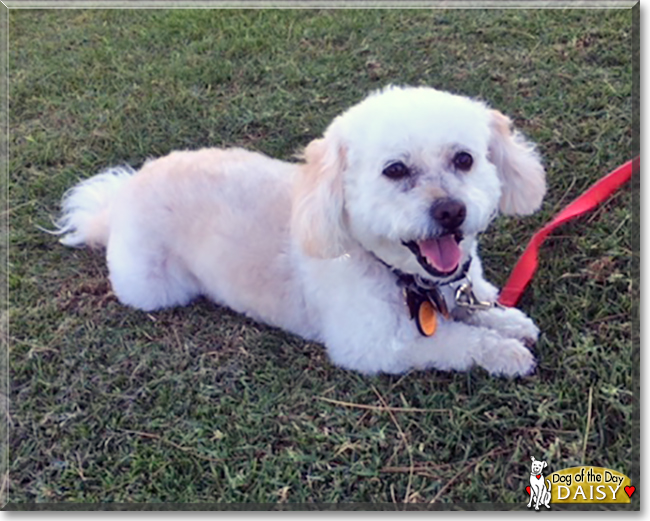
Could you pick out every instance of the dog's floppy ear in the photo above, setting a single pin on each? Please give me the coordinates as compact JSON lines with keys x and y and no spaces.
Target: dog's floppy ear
{"x":522,"y":175}
{"x":317,"y":219}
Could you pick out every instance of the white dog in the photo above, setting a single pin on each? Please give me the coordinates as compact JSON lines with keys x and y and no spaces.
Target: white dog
{"x":362,"y":247}
{"x":538,"y":491}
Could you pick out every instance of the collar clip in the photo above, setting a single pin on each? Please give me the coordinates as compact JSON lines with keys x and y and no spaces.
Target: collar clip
{"x":467,"y":303}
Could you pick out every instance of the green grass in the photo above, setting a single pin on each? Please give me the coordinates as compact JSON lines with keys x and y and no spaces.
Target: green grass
{"x":199,"y":404}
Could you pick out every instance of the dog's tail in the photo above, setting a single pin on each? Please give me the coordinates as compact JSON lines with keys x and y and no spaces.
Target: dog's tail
{"x":85,"y":208}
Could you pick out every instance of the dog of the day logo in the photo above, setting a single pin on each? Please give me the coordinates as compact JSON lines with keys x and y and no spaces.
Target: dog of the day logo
{"x":540,"y":494}
{"x":577,"y":485}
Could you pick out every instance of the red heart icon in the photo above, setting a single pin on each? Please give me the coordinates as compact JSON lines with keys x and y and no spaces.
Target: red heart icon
{"x":629,"y":491}
{"x":538,"y":476}
{"x":528,"y":490}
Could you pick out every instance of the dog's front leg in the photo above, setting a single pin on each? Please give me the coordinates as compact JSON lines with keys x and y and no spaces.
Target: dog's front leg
{"x":371,"y":332}
{"x":395,"y":346}
{"x":509,"y":322}
{"x":539,"y":497}
{"x":457,"y":345}
{"x":484,"y":290}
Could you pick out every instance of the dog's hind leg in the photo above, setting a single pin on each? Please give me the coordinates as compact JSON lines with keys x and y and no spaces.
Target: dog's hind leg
{"x":547,"y":495}
{"x":144,"y":272}
{"x":149,"y":278}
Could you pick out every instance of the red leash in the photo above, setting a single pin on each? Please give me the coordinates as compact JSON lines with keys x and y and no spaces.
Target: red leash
{"x":596,"y":194}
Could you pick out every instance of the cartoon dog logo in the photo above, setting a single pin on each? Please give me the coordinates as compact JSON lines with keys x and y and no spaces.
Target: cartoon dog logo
{"x":538,"y":491}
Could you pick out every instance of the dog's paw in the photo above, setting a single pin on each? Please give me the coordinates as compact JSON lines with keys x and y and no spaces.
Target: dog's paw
{"x":522,"y":327}
{"x":509,"y":322}
{"x":508,"y":357}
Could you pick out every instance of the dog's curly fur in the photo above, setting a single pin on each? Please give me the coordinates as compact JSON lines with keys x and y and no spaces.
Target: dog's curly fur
{"x":305,"y":247}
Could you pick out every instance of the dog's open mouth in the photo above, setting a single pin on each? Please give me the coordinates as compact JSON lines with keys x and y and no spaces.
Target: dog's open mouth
{"x":439,"y":256}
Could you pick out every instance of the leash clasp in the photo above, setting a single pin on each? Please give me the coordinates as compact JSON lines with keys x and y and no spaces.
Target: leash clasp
{"x":466,"y":299}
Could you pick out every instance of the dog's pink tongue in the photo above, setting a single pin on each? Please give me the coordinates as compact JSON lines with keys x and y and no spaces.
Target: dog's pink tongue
{"x":442,"y":253}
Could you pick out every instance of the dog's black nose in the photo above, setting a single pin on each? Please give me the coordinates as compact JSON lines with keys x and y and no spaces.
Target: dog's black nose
{"x":449,"y":213}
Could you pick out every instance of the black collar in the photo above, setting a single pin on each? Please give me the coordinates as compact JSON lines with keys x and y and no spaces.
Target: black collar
{"x":418,"y":290}
{"x":406,"y":279}
{"x":416,"y":281}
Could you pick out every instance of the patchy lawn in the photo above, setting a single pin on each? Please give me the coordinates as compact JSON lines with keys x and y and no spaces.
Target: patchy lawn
{"x":199,"y":404}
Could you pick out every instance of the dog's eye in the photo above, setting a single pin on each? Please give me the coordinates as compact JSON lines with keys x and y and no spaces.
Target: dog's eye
{"x":396,"y":171}
{"x":463,"y":161}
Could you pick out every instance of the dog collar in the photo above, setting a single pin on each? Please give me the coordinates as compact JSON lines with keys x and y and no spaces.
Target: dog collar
{"x":425,"y":301}
{"x":423,"y":298}
{"x":467,"y":302}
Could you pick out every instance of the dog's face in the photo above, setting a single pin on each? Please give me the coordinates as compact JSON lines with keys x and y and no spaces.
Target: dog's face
{"x":413,"y":175}
{"x":537,"y":467}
